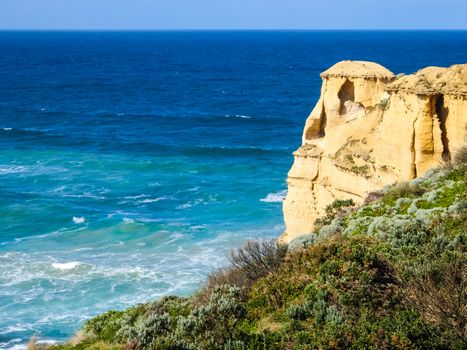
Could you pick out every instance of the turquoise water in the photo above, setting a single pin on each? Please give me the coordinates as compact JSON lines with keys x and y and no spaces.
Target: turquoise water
{"x":131,"y":163}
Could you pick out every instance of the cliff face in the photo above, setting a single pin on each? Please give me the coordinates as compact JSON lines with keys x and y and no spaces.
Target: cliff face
{"x":371,"y":128}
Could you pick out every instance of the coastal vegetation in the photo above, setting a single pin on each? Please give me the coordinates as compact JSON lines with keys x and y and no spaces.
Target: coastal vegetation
{"x":390,"y":274}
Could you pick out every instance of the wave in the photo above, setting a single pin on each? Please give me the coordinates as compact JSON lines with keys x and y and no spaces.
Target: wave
{"x":136,"y":196}
{"x":153,"y":200}
{"x":241,"y":116}
{"x":199,"y":149}
{"x":13,"y":344}
{"x":181,"y":118}
{"x":25,"y":130}
{"x":12,"y":169}
{"x":34,"y":237}
{"x":184,"y":206}
{"x":78,"y":219}
{"x":19,"y":344}
{"x":131,"y":142}
{"x":230,"y":151}
{"x":275,"y":197}
{"x":66,"y":266}
{"x":178,"y":266}
{"x":198,"y":201}
{"x":143,"y":199}
{"x":13,"y":329}
{"x":84,"y":195}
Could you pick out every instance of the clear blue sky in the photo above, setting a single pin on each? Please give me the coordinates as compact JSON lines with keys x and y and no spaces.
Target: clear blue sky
{"x":233,"y":14}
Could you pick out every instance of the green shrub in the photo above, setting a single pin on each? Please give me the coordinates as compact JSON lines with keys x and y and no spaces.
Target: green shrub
{"x":104,"y":326}
{"x":302,"y":242}
{"x":337,"y":209}
{"x":436,"y":288}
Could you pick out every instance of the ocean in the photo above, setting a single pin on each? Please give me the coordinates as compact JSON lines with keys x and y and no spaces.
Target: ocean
{"x":132,"y":162}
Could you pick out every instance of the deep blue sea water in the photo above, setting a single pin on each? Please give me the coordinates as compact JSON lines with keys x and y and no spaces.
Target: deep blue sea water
{"x":131,"y":162}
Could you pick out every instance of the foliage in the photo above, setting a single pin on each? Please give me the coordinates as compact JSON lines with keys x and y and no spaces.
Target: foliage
{"x":336,"y":209}
{"x":436,"y":287}
{"x":409,"y":189}
{"x":257,"y":259}
{"x":301,"y":242}
{"x":373,"y":196}
{"x":248,"y":263}
{"x":388,"y":275}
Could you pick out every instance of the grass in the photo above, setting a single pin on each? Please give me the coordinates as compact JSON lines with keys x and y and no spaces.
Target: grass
{"x":461,"y":156}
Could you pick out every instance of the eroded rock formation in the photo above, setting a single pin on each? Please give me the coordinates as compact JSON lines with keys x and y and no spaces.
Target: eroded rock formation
{"x":371,"y":128}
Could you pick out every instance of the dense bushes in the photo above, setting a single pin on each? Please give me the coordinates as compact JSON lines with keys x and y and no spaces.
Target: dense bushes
{"x":337,"y":209}
{"x":388,"y":275}
{"x":436,"y":288}
{"x":173,"y":323}
{"x":250,"y":262}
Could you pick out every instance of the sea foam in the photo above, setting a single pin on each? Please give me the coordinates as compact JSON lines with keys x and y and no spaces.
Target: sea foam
{"x":66,"y":266}
{"x":78,"y":220}
{"x":152,"y":200}
{"x":275,"y":197}
{"x":241,"y":116}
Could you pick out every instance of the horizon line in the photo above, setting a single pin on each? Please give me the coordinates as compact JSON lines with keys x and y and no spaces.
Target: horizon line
{"x":227,"y":29}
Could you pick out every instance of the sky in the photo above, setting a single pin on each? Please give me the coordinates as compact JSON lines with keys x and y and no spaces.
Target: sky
{"x":233,"y":14}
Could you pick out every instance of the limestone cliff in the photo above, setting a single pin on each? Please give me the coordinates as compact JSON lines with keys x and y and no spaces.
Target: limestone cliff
{"x":371,"y":128}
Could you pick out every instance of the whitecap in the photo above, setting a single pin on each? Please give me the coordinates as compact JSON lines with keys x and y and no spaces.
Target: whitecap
{"x":84,"y":195}
{"x":78,"y":219}
{"x":241,"y":116}
{"x":48,"y":342}
{"x":128,"y":220}
{"x":16,"y":347}
{"x":66,"y":266}
{"x":184,"y":206}
{"x":136,"y":197}
{"x":13,"y":344}
{"x":152,"y":200}
{"x":24,"y":346}
{"x":27,"y":238}
{"x":11,"y":169}
{"x":12,"y":329}
{"x":7,"y":129}
{"x":275,"y":197}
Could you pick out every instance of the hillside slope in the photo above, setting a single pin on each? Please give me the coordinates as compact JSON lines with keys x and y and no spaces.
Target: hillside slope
{"x":390,"y":274}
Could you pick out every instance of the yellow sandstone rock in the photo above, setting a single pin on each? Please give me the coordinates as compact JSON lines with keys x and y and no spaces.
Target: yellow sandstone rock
{"x":371,"y":128}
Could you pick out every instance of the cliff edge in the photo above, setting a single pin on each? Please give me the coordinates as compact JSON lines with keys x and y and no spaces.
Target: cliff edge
{"x":371,"y":128}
